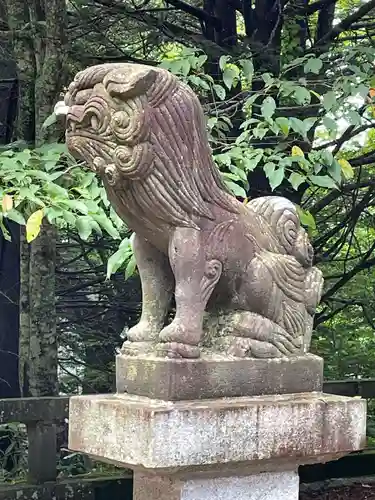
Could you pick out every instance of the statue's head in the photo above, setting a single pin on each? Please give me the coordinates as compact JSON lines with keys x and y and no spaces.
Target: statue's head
{"x":131,"y":122}
{"x":108,"y":119}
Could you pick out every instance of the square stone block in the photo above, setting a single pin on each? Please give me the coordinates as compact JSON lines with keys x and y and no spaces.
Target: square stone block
{"x":217,"y":377}
{"x":264,"y":433}
{"x":265,"y":486}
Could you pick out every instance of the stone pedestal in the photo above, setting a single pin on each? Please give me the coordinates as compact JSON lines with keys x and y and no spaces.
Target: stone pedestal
{"x":238,"y":448}
{"x":217,"y":376}
{"x":264,"y":486}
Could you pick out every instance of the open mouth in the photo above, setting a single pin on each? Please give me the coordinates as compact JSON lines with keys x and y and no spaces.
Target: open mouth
{"x":87,"y":148}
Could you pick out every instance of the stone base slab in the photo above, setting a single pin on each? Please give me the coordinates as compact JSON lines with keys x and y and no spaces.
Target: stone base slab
{"x":264,"y":433}
{"x":266,"y":486}
{"x":217,"y":377}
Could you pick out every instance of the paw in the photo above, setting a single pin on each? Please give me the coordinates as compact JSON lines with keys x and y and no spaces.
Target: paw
{"x":137,"y":348}
{"x":176,"y":350}
{"x":144,"y":331}
{"x":179,"y":332}
{"x":284,"y":345}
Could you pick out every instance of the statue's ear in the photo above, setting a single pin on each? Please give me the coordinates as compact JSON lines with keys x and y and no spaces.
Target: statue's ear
{"x":129,"y":81}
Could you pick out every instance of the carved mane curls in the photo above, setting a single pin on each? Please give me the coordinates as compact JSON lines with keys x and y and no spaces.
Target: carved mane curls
{"x":177,"y":180}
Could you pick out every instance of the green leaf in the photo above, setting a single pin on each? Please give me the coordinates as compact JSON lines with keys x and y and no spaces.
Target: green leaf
{"x":107,"y":225}
{"x":95,"y":226}
{"x":329,"y":100}
{"x":306,"y":218}
{"x":118,"y":259}
{"x":69,"y":218}
{"x":247,"y":68}
{"x":309,"y":122}
{"x":223,"y":62}
{"x":268,"y":107}
{"x":260,"y":131}
{"x":199,"y":82}
{"x":220,"y":92}
{"x":296,"y":180}
{"x":267,"y":78}
{"x":361,"y":90}
{"x":250,"y":164}
{"x":23,"y":156}
{"x":235,"y":188}
{"x":276,"y":178}
{"x":87,"y":180}
{"x":224,"y":159}
{"x":346,"y":168}
{"x":354,"y":118}
{"x":229,"y":74}
{"x":201,"y":60}
{"x":56,"y":191}
{"x":130,"y":268}
{"x":77,"y":205}
{"x":302,"y":95}
{"x":185,"y":67}
{"x":335,"y":171}
{"x":84,"y":227}
{"x":269,"y":169}
{"x":239,"y":173}
{"x":327,"y":157}
{"x":330,"y":125}
{"x":313,"y":65}
{"x":298,"y":126}
{"x":4,"y":230}
{"x":323,"y":181}
{"x":53,"y":213}
{"x":51,"y":150}
{"x":15,"y":216}
{"x":49,"y":121}
{"x":283,"y":124}
{"x":118,"y":222}
{"x":174,"y":66}
{"x":55,"y":175}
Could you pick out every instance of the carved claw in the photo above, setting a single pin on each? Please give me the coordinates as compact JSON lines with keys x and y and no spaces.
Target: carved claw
{"x":136,"y":348}
{"x":176,"y":350}
{"x":181,"y":340}
{"x":144,"y":331}
{"x":282,"y":343}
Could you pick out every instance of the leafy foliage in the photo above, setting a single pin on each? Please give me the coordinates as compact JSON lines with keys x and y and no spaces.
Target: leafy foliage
{"x":45,"y":183}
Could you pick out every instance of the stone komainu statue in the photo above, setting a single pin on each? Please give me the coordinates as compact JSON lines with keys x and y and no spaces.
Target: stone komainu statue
{"x":242,"y":276}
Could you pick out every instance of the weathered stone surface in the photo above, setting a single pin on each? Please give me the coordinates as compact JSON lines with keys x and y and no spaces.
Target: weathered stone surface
{"x":249,"y":266}
{"x":265,"y":486}
{"x":33,"y":409}
{"x":216,"y":377}
{"x":268,"y":432}
{"x":72,"y":489}
{"x":42,"y":452}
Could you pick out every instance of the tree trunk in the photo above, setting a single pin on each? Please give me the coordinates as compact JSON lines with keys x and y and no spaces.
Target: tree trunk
{"x":38,"y":341}
{"x":39,"y":51}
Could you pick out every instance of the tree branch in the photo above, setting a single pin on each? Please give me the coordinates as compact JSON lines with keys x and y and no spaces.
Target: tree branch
{"x":320,"y":4}
{"x":346,"y":23}
{"x":194,"y":11}
{"x":364,"y":264}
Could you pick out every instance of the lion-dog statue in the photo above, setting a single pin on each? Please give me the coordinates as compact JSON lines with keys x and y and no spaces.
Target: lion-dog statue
{"x":241,"y":275}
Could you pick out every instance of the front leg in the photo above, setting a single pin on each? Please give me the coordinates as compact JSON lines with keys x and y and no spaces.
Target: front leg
{"x":195,"y":279}
{"x":157,"y":288}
